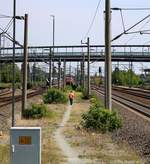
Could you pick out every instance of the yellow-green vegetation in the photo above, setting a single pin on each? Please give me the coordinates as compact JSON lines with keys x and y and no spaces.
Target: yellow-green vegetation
{"x":97,"y":80}
{"x":78,"y":97}
{"x":50,"y":152}
{"x":9,"y":85}
{"x":95,"y":146}
{"x":4,"y":157}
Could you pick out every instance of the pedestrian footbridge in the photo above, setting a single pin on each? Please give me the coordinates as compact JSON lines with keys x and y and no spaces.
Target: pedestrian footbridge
{"x":76,"y":53}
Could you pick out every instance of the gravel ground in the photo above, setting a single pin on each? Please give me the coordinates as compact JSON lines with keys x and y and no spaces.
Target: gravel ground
{"x":135,"y":131}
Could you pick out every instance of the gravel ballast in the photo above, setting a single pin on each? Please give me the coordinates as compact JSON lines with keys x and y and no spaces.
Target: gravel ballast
{"x":135,"y":131}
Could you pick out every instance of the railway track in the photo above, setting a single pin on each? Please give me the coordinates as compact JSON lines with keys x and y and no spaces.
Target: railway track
{"x":137,"y":92}
{"x":5,"y":106}
{"x":126,"y":100}
{"x":5,"y":92}
{"x":8,"y":100}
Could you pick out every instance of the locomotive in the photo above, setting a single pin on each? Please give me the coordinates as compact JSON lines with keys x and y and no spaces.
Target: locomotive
{"x":69,"y":80}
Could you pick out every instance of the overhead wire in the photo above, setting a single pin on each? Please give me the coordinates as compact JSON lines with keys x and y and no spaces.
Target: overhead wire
{"x":123,"y":24}
{"x":8,"y":36}
{"x":5,"y":16}
{"x":135,"y":9}
{"x":8,"y":25}
{"x":126,"y":31}
{"x":92,"y":22}
{"x":138,"y":31}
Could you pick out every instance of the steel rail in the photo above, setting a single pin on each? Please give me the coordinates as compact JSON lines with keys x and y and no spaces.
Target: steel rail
{"x":144,"y":94}
{"x":139,"y":107}
{"x":5,"y":92}
{"x":8,"y":101}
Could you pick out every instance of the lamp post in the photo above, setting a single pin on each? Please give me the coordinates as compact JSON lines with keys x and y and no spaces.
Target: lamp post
{"x":53,"y":17}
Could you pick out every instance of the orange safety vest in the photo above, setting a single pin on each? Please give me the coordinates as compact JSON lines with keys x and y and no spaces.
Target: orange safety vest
{"x":71,"y":95}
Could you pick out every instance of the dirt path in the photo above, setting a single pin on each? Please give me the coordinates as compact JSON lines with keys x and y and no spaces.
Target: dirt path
{"x":72,"y":155}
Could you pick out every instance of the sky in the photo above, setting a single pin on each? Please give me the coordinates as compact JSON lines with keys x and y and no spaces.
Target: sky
{"x":72,"y":20}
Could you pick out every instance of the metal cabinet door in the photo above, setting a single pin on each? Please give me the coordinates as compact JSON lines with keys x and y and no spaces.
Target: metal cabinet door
{"x":25,"y":147}
{"x":23,"y":155}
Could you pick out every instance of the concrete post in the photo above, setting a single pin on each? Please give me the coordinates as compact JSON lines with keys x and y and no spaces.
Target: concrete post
{"x":78,"y":78}
{"x":64,"y":75}
{"x":59,"y":74}
{"x":13,"y":64}
{"x":88,"y":68}
{"x":24,"y":86}
{"x":83,"y":71}
{"x":50,"y":69}
{"x":0,"y":57}
{"x":108,"y":65}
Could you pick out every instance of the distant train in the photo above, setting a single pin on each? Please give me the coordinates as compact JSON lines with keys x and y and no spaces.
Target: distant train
{"x":69,"y":80}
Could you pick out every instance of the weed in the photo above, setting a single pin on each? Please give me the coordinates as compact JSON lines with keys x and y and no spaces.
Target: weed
{"x":101,"y":119}
{"x":36,"y":111}
{"x":54,"y":96}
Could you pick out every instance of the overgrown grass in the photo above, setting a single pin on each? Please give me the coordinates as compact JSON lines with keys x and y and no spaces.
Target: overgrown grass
{"x":4,"y":154}
{"x":95,"y":147}
{"x":50,"y":151}
{"x":84,"y":94}
{"x":9,"y":85}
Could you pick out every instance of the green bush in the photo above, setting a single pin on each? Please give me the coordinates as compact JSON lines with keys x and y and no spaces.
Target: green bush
{"x":100,"y":119}
{"x":36,"y":111}
{"x":54,"y":96}
{"x":29,"y":85}
{"x":84,"y":94}
{"x":79,"y":89}
{"x":95,"y":101}
{"x":74,"y":87}
{"x":18,"y":85}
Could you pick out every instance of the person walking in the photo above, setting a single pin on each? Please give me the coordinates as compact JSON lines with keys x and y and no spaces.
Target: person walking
{"x":71,"y":97}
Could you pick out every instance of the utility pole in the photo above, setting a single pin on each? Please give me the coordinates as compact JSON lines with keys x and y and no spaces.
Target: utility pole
{"x":0,"y":57}
{"x":83,"y":71}
{"x":108,"y":65}
{"x":88,"y":68}
{"x":59,"y":74}
{"x":81,"y":74}
{"x":13,"y":80}
{"x":64,"y":75}
{"x":78,"y":82}
{"x":130,"y":71}
{"x":24,"y":85}
{"x":50,"y":68}
{"x":53,"y":45}
{"x":70,"y":72}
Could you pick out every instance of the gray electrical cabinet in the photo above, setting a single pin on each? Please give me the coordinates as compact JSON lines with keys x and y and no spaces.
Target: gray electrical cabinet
{"x":25,"y":145}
